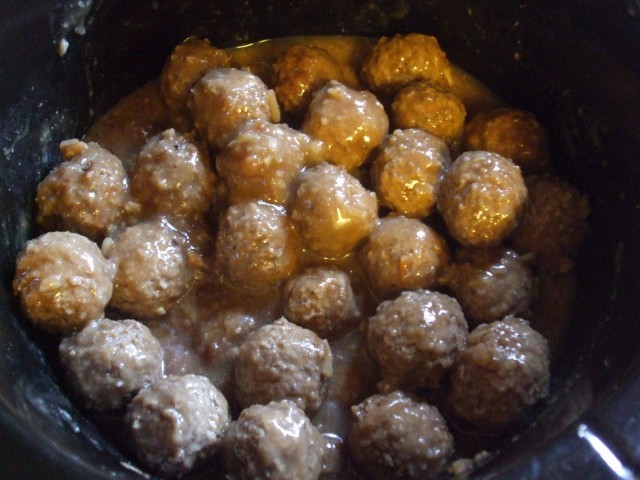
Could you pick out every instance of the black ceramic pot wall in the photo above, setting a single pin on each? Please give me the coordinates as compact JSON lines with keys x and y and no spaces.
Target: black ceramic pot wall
{"x":575,"y":64}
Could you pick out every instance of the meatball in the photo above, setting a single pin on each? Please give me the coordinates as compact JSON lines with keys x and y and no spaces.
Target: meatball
{"x":63,"y":281}
{"x":481,"y":198}
{"x":503,"y":371}
{"x":351,"y":123}
{"x":491,"y":283}
{"x":333,"y":211}
{"x":512,"y":133}
{"x":177,"y":423}
{"x":85,"y":194}
{"x":415,"y":338}
{"x":275,"y":441}
{"x":110,"y":361}
{"x":396,"y":437}
{"x":256,"y":247}
{"x":172,"y":176}
{"x":153,"y":269}
{"x":396,"y":62}
{"x":403,"y":254}
{"x":283,"y":361}
{"x":299,"y":72}
{"x":225,"y":98}
{"x":321,"y":299}
{"x":428,"y":106}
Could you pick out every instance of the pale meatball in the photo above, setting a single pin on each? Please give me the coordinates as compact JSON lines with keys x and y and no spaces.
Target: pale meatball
{"x":396,"y":437}
{"x":428,"y":106}
{"x":275,"y":441}
{"x":109,"y":361}
{"x":178,"y":423}
{"x":351,"y":123}
{"x":63,"y":281}
{"x":299,"y":72}
{"x":225,"y":98}
{"x":415,"y":339}
{"x":283,"y":361}
{"x":85,"y":194}
{"x":482,"y":198}
{"x":408,"y":171}
{"x":172,"y":176}
{"x":322,"y":299}
{"x":333,"y":211}
{"x":256,"y":247}
{"x":491,"y":283}
{"x":153,"y":269}
{"x":503,"y":372}
{"x":396,"y":62}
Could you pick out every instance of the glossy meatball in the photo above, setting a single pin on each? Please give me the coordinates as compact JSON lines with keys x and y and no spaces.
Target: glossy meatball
{"x":351,"y":123}
{"x":275,"y":441}
{"x":172,"y":176}
{"x":299,"y":72}
{"x":491,"y":283}
{"x":283,"y":361}
{"x":178,"y":423}
{"x":63,"y":281}
{"x":224,"y":99}
{"x":110,"y":361}
{"x":85,"y":194}
{"x":396,"y":437}
{"x":153,"y":269}
{"x":482,"y":198}
{"x":321,"y":299}
{"x":333,"y":211}
{"x":256,"y":247}
{"x":512,"y":133}
{"x":396,"y":62}
{"x":415,"y":338}
{"x":503,"y":371}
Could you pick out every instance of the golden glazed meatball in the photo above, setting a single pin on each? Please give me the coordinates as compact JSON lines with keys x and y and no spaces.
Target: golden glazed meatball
{"x":333,"y":211}
{"x":351,"y":123}
{"x":408,"y":171}
{"x":482,"y":198}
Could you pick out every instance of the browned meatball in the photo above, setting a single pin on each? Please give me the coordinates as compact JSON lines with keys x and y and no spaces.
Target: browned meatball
{"x":408,"y":171}
{"x":351,"y":123}
{"x":415,"y":338}
{"x":283,"y":361}
{"x":481,"y":198}
{"x":275,"y":441}
{"x":256,"y":247}
{"x":321,"y":299}
{"x":491,"y":283}
{"x":396,"y":437}
{"x":403,"y":254}
{"x":428,"y":106}
{"x":172,"y":176}
{"x":333,"y":211}
{"x":299,"y":72}
{"x":85,"y":194}
{"x":63,"y":281}
{"x":110,"y":361}
{"x":178,"y":423}
{"x":226,"y":98}
{"x":396,"y":62}
{"x":503,"y":371}
{"x":512,"y":133}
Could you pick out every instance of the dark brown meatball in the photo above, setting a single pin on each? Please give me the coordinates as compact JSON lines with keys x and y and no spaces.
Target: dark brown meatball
{"x":396,"y":437}
{"x":503,"y":371}
{"x":85,"y":194}
{"x":415,"y":338}
{"x":482,"y":198}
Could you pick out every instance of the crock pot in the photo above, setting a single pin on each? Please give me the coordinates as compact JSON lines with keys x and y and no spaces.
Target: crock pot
{"x":575,"y":64}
